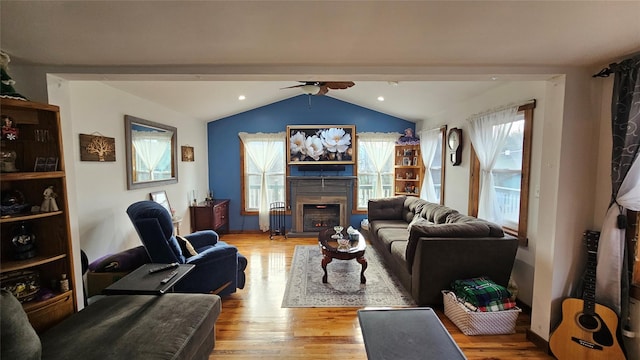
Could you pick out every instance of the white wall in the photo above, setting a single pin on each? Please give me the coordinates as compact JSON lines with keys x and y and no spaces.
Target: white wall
{"x":98,"y":190}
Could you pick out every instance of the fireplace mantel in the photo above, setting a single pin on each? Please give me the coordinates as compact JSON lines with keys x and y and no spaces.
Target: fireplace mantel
{"x":319,"y":190}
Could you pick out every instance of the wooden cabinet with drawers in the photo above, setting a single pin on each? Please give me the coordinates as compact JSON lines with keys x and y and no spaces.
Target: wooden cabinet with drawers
{"x":210,"y":215}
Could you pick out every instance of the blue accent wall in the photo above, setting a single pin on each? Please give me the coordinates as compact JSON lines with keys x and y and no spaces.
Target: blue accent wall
{"x":224,"y":143}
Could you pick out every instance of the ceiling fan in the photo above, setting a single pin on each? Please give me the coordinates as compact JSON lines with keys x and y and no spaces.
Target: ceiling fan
{"x":321,"y":87}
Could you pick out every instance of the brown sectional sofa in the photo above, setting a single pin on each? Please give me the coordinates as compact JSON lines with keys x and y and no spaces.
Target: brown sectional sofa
{"x":427,"y":246}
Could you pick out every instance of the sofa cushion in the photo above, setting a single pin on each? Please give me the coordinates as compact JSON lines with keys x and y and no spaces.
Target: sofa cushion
{"x":389,"y":235}
{"x":494,"y":229}
{"x":457,"y":230}
{"x":18,"y":339}
{"x":185,"y":245}
{"x":436,"y":213}
{"x":399,"y":251}
{"x":412,"y":207}
{"x":386,"y":209}
{"x":374,"y":227}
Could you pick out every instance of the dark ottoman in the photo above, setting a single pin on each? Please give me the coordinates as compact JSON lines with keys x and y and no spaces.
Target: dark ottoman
{"x":171,"y":326}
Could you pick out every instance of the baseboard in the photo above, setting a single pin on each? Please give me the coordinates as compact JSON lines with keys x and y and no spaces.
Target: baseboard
{"x":245,"y":232}
{"x":538,"y":341}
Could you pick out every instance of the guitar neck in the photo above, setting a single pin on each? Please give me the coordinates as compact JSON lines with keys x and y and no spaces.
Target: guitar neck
{"x":589,"y":291}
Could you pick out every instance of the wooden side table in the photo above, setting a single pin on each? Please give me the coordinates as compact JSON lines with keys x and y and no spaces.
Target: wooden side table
{"x":210,"y":215}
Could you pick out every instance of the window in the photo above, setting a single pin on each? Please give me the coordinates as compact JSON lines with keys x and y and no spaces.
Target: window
{"x":375,"y":167}
{"x":432,"y":152}
{"x":437,"y":170}
{"x":510,"y":175}
{"x":507,"y":174}
{"x":263,"y":173}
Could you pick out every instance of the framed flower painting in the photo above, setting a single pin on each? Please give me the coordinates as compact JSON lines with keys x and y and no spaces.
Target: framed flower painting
{"x":321,"y":144}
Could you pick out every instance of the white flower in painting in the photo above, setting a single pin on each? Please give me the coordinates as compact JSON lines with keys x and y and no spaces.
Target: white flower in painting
{"x":296,"y":143}
{"x":336,"y":140}
{"x":313,"y":147}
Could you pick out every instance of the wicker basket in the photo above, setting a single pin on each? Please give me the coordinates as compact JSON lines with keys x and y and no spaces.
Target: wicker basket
{"x":479,"y":322}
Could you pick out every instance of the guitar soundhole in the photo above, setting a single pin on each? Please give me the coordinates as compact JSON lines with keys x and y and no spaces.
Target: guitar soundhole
{"x":588,"y":322}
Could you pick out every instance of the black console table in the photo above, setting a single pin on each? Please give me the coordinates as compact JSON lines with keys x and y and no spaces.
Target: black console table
{"x":140,"y":282}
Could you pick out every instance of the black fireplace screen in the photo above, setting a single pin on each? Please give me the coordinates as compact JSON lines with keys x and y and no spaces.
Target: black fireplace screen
{"x":316,"y":217}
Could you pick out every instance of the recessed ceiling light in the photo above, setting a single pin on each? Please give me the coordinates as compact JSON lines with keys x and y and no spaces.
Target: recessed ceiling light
{"x":241,"y":97}
{"x":494,"y":78}
{"x":380,"y":98}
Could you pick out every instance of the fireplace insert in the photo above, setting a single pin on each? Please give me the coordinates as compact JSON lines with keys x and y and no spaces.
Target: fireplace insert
{"x":320,"y":216}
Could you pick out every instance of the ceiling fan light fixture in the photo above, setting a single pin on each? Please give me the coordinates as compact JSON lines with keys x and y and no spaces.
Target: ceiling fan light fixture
{"x":310,"y":89}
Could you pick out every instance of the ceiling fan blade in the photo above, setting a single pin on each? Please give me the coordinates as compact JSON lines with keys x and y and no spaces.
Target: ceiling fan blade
{"x":338,"y":84}
{"x":323,"y":90}
{"x":294,"y":86}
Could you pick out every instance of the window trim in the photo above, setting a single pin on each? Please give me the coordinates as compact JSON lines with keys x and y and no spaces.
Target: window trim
{"x":474,"y":178}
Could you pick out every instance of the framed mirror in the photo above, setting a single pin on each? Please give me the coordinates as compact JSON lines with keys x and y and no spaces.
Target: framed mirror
{"x":152,"y":152}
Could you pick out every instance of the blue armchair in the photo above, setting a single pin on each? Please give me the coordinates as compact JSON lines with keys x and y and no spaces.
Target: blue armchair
{"x":216,"y":261}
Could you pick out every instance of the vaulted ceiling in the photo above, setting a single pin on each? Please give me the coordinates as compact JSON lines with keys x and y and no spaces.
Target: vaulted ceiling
{"x":199,"y":56}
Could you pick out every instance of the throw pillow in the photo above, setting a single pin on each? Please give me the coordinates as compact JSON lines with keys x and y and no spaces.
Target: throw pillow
{"x":126,"y":260}
{"x":187,"y":249}
{"x":417,"y":218}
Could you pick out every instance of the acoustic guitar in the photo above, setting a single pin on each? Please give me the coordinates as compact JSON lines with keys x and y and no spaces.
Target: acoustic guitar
{"x":588,"y":331}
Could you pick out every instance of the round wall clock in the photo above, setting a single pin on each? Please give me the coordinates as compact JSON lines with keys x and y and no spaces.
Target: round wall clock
{"x":454,"y":141}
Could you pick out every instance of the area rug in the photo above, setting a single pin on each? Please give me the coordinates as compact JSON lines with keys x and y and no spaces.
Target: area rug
{"x":343,"y":289}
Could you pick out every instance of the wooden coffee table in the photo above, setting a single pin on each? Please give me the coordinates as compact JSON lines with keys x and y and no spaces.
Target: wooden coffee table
{"x":332,"y":250}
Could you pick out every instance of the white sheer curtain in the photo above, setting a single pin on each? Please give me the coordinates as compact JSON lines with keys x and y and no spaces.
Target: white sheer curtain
{"x":379,"y":148}
{"x":151,"y":147}
{"x":428,"y":147}
{"x":488,"y":133}
{"x":264,"y":150}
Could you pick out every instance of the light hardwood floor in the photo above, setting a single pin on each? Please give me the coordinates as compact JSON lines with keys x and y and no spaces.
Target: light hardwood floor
{"x":252,"y":324}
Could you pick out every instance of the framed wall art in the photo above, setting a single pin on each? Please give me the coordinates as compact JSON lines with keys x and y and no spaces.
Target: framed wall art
{"x":97,"y":148}
{"x":161,"y":198}
{"x":321,"y":144}
{"x":187,"y":153}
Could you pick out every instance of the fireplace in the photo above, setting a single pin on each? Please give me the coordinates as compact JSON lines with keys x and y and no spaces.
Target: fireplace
{"x":316,"y":217}
{"x":325,"y":200}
